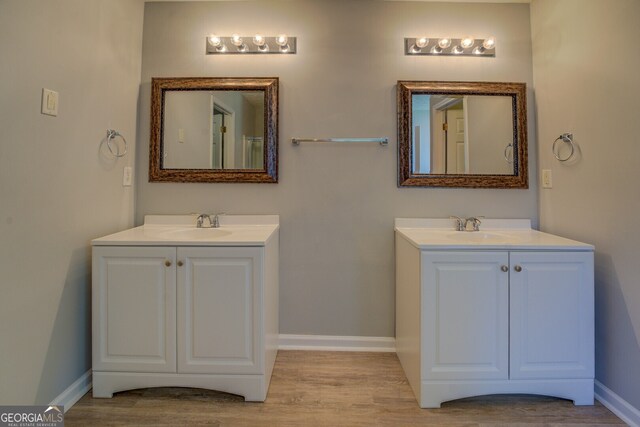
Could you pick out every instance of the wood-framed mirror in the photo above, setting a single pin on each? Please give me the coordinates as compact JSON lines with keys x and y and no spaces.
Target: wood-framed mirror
{"x":462,"y":134}
{"x":206,"y":129}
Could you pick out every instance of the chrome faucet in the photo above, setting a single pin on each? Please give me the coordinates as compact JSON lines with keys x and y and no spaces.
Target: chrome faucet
{"x":460,"y":223}
{"x":214,"y":221}
{"x":201,"y":219}
{"x":475,"y":221}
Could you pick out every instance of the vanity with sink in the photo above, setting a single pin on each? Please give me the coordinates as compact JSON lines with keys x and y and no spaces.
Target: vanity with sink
{"x":506,"y":309}
{"x":176,"y":305}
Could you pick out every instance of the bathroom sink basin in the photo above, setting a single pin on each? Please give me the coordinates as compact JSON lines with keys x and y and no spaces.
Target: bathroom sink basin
{"x":192,"y":233}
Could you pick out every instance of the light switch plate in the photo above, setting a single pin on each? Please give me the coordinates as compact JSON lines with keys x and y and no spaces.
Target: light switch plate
{"x":547,"y":179}
{"x":127,"y":174}
{"x":49,"y":102}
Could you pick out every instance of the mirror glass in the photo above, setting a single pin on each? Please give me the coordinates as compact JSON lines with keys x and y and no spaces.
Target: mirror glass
{"x":214,"y":130}
{"x":462,"y":134}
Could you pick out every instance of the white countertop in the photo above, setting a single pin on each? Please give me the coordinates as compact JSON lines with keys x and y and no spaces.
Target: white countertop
{"x":511,"y":234}
{"x":180,"y":230}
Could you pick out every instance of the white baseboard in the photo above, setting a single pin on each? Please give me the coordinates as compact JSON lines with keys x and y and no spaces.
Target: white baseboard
{"x":336,"y":343}
{"x":617,"y":405}
{"x":74,"y":392}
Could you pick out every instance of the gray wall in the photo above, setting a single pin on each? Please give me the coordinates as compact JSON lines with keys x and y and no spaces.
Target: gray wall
{"x":190,"y":111}
{"x":336,"y":202}
{"x":58,"y":189}
{"x":586,"y":82}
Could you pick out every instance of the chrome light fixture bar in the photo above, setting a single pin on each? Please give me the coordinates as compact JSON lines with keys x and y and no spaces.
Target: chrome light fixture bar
{"x":244,"y":45}
{"x":445,"y":46}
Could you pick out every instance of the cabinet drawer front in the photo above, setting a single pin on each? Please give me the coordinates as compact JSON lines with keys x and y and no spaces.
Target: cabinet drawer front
{"x":134,"y":309}
{"x":552,"y":315}
{"x":464,"y":315}
{"x":219,"y":310}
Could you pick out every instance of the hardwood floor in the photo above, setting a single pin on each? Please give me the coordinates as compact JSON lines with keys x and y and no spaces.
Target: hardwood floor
{"x":330,"y":389}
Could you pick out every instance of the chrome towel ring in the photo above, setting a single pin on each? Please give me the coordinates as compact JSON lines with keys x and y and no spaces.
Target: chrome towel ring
{"x":111,"y":135}
{"x":506,"y":153}
{"x":567,"y":138}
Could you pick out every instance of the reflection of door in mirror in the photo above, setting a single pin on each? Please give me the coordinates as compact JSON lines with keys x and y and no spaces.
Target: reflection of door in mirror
{"x":455,"y":137}
{"x":216,"y":140}
{"x":223,"y":134}
{"x":449,"y":144}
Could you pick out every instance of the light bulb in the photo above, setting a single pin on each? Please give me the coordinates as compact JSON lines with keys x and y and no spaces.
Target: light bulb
{"x":242,"y":48}
{"x":282,"y":40}
{"x":422,"y":42}
{"x":489,"y":43}
{"x":414,"y":49}
{"x":264,"y":48}
{"x":457,"y":50}
{"x":258,"y":40}
{"x":221,"y":48}
{"x":436,"y":50}
{"x":236,"y":40}
{"x":478,"y":50}
{"x":215,"y":40}
{"x":444,"y":43}
{"x":284,"y":49}
{"x":467,"y":42}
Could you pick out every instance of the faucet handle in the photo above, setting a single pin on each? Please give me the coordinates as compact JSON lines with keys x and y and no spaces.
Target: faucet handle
{"x":201,"y":218}
{"x":460,"y":223}
{"x":215,"y":222}
{"x":475,"y":220}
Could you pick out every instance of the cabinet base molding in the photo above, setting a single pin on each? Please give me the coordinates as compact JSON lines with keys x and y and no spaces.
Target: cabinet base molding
{"x":433,"y":393}
{"x":336,"y":343}
{"x":252,"y":387}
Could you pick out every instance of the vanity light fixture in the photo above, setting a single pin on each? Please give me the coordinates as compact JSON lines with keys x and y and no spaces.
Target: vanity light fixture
{"x":467,"y":42}
{"x":489,"y":43}
{"x":444,"y":43}
{"x":257,"y":44}
{"x":258,"y":40}
{"x":466,"y":46}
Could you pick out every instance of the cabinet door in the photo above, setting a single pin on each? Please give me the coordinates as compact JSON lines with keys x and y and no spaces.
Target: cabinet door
{"x":465,"y":314}
{"x":552,"y":315}
{"x":219,"y":310}
{"x":134,"y":309}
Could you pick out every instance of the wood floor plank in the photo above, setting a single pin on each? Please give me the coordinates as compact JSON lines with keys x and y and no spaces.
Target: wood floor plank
{"x":330,"y":389}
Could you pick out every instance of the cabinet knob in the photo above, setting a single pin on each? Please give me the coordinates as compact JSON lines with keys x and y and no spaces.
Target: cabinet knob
{"x":167,"y":263}
{"x":504,"y":268}
{"x":517,"y":268}
{"x":180,"y":263}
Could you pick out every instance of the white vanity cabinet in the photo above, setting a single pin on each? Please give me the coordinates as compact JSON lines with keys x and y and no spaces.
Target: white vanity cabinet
{"x":185,"y":315}
{"x":134,"y":309}
{"x":219,"y":310}
{"x":465,"y":316}
{"x":480,"y":317}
